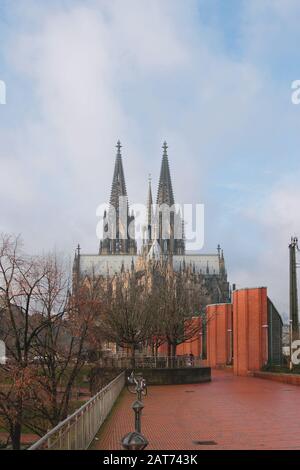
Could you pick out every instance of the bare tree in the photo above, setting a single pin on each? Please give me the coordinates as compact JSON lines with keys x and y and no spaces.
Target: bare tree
{"x":128,"y":315}
{"x":20,"y":279}
{"x":46,"y":330}
{"x":61,"y":348}
{"x":180,"y":308}
{"x":168,"y":307}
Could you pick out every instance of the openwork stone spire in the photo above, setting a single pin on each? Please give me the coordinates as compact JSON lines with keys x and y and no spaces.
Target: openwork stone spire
{"x":149,"y":204}
{"x":169,"y":222}
{"x":118,"y":188}
{"x":118,"y":226}
{"x":165,"y":190}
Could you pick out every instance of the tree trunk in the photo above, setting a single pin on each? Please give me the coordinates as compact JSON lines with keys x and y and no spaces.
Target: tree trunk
{"x":133,"y":356}
{"x":173,"y":354}
{"x":16,"y":436}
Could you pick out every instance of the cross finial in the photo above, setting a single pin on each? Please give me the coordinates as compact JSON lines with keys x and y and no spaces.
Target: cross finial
{"x":78,"y":249}
{"x":219,"y":249}
{"x":165,"y":147}
{"x":119,"y":146}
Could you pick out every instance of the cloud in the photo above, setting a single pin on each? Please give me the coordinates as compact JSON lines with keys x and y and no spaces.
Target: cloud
{"x":276,"y":217}
{"x":80,"y":75}
{"x":78,"y":60}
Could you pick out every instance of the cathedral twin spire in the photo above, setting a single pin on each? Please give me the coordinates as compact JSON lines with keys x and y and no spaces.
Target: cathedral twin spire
{"x":118,"y":188}
{"x":165,"y":196}
{"x":165,"y":190}
{"x":116,"y":236}
{"x":150,"y":214}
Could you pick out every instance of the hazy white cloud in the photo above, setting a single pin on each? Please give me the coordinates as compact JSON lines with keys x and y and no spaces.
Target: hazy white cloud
{"x":77,"y":61}
{"x":143,"y":72}
{"x":275,"y":215}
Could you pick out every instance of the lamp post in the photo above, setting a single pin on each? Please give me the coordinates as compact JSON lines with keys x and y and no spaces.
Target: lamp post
{"x":291,"y":340}
{"x":229,"y":331}
{"x":294,"y":318}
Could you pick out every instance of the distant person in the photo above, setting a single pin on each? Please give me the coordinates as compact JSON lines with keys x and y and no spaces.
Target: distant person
{"x":192,"y":359}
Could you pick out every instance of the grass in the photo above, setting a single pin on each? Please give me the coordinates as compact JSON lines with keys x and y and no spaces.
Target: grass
{"x":82,"y":381}
{"x":74,"y":405}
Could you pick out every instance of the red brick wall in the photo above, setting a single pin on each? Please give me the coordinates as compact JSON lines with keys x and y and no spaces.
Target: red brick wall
{"x":250,"y":336}
{"x":219,"y":331}
{"x":235,"y":331}
{"x":193,"y":345}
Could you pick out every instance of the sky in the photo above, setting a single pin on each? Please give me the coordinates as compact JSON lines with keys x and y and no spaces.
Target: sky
{"x":212,"y":77}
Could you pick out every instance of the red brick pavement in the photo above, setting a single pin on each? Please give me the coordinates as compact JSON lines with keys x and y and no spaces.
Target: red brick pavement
{"x":235,"y":412}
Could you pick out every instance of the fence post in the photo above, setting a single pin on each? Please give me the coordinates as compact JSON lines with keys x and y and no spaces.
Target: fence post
{"x":68,"y":436}
{"x":49,"y":442}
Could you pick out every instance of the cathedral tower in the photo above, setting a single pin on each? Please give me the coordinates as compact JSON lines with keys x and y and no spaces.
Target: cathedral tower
{"x":168,"y":220}
{"x":118,"y":225}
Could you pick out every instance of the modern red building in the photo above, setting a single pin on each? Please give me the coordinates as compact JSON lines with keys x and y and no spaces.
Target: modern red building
{"x":219,"y":334}
{"x":250,"y":320}
{"x":245,"y":334}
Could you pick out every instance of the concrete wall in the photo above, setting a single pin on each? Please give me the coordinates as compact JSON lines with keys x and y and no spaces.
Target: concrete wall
{"x":292,"y":379}
{"x":187,"y":375}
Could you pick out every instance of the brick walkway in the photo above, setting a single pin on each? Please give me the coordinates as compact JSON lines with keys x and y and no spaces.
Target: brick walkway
{"x":235,"y":412}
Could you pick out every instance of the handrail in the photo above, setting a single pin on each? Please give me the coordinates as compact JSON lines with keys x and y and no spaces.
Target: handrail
{"x":156,"y":362}
{"x":78,"y":430}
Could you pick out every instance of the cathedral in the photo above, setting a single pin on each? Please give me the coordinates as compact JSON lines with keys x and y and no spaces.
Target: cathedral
{"x":163,"y":243}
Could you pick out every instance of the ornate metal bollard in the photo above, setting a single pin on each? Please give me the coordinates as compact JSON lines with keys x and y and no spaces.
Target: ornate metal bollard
{"x":137,"y":408}
{"x":135,"y":440}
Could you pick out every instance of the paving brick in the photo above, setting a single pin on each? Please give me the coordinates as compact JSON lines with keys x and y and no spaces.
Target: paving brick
{"x":235,"y":412}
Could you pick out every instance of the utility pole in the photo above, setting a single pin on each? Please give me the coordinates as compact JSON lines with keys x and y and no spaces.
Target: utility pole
{"x":294,"y":319}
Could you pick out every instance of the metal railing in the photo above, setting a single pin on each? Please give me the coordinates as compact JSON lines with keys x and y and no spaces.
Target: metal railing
{"x":150,"y":362}
{"x":79,"y":429}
